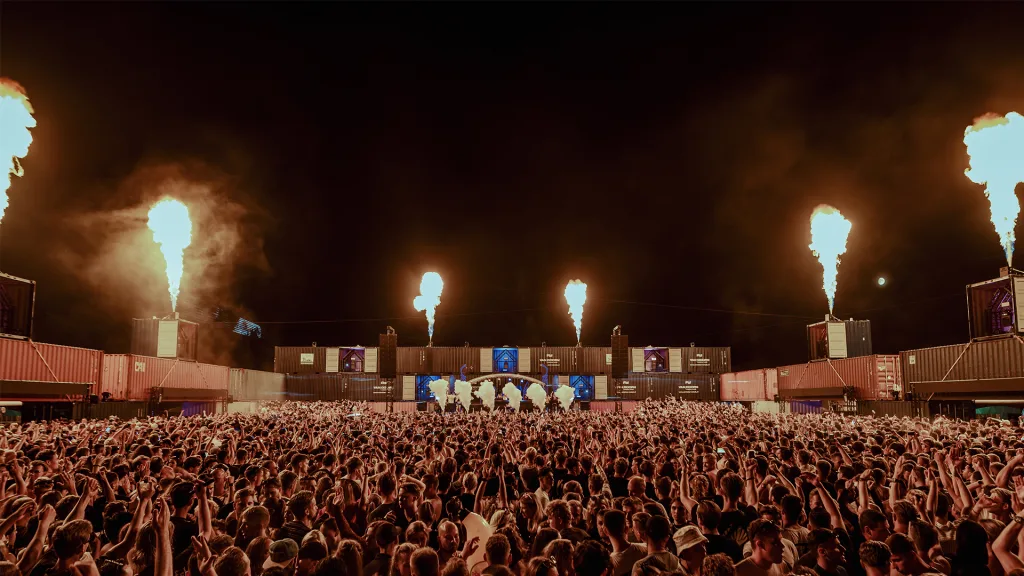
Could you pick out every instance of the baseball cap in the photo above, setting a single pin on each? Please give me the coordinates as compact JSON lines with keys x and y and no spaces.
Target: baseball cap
{"x":281,"y":553}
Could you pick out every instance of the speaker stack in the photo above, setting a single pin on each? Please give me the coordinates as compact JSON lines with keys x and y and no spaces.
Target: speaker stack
{"x":387,"y":359}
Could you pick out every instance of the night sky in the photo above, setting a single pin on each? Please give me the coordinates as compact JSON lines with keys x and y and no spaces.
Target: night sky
{"x":668,"y":155}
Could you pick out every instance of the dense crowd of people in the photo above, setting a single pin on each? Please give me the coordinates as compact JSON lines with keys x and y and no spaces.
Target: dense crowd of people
{"x":672,"y":488}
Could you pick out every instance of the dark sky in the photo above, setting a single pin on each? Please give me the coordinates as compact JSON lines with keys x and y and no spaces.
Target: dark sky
{"x":668,"y":155}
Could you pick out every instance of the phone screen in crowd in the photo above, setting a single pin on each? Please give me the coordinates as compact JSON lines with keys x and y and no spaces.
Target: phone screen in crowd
{"x":721,"y":450}
{"x":108,"y":429}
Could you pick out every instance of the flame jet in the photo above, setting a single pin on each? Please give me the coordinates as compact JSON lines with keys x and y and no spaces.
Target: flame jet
{"x":996,"y":147}
{"x":172,"y":230}
{"x":829,"y":231}
{"x":430,"y":296}
{"x":576,"y":297}
{"x":15,"y":138}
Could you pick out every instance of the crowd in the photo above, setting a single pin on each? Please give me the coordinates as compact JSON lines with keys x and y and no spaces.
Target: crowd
{"x":672,"y":488}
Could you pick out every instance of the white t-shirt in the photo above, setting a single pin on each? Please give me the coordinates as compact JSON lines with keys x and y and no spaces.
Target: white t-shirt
{"x":622,"y":562}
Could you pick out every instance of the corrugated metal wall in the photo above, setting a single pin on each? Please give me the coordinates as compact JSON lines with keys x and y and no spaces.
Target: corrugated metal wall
{"x":597,"y":360}
{"x":1003,"y":358}
{"x":146,"y":335}
{"x":872,"y":377}
{"x":452,"y":359}
{"x":702,"y":387}
{"x":288,"y":359}
{"x":558,"y":359}
{"x":336,"y":387}
{"x":131,"y":377}
{"x":745,"y":386}
{"x":414,"y":360}
{"x":255,"y":385}
{"x":28,"y":360}
{"x":701,"y":359}
{"x":632,"y":388}
{"x":929,"y":364}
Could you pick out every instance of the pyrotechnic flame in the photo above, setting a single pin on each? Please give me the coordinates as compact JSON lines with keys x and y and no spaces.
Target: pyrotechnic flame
{"x":829,"y":231}
{"x":565,"y":395}
{"x":172,"y":230}
{"x":996,"y":147}
{"x":576,"y":296}
{"x":15,"y":138}
{"x":440,"y":390}
{"x":464,"y":393}
{"x":429,"y":298}
{"x":515,"y":397}
{"x":486,"y":394}
{"x":537,"y":395}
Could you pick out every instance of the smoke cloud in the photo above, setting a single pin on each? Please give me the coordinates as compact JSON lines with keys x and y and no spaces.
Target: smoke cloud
{"x":440,"y":390}
{"x":464,"y":393}
{"x":536,"y":395}
{"x":515,"y":397}
{"x":565,"y":395}
{"x":486,"y":394}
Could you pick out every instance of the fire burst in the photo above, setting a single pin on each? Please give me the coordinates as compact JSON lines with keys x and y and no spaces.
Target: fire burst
{"x":172,"y":230}
{"x":576,"y":297}
{"x":829,"y":231}
{"x":996,"y":147}
{"x":429,"y":298}
{"x":15,"y":138}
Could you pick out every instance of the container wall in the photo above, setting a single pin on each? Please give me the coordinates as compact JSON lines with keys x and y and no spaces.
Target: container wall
{"x":115,"y":376}
{"x":696,"y":387}
{"x":452,"y":359}
{"x":771,"y":382}
{"x":315,"y":387}
{"x":34,"y":361}
{"x":990,"y":308}
{"x":557,"y":359}
{"x":414,"y":360}
{"x":145,"y":373}
{"x":255,"y":385}
{"x":705,"y":360}
{"x":122,"y":410}
{"x":1002,"y":358}
{"x":633,"y":388}
{"x":858,"y":338}
{"x":744,"y":386}
{"x":148,"y":340}
{"x":597,"y":360}
{"x":872,"y":377}
{"x":367,"y":388}
{"x":929,"y":364}
{"x":300,"y":359}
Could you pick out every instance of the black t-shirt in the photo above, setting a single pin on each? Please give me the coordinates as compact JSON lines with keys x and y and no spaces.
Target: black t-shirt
{"x":531,"y":477}
{"x":734,"y":523}
{"x":718,"y":544}
{"x":618,"y":486}
{"x":184,"y":530}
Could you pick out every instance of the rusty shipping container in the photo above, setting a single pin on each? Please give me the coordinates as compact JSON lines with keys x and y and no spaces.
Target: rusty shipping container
{"x":871,"y":377}
{"x":414,"y":360}
{"x":165,"y":338}
{"x":255,"y":385}
{"x":557,"y":359}
{"x":132,"y":377}
{"x":453,"y":359}
{"x":697,"y":387}
{"x":597,"y":360}
{"x":29,"y":361}
{"x":750,"y":386}
{"x":980,"y":368}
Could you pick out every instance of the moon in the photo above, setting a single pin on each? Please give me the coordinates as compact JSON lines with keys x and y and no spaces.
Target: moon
{"x":882,"y":280}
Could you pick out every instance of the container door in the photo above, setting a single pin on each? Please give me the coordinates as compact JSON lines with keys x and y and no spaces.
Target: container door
{"x":601,"y":387}
{"x":675,"y":360}
{"x":409,"y":388}
{"x":370,"y":361}
{"x":638,"y":360}
{"x":1018,"y":300}
{"x":486,"y":360}
{"x":333,"y":360}
{"x":837,"y":340}
{"x":167,"y":339}
{"x":524,"y":360}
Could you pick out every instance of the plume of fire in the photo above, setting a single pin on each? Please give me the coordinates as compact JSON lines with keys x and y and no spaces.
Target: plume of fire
{"x":440,"y":390}
{"x":515,"y":397}
{"x":172,"y":230}
{"x":464,"y":393}
{"x":486,"y":394}
{"x":565,"y":395}
{"x":537,"y":395}
{"x":829,"y":231}
{"x":576,"y":296}
{"x":996,"y":147}
{"x":15,"y":138}
{"x":430,"y":296}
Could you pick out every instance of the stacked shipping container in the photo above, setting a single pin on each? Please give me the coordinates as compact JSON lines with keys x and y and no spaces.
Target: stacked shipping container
{"x":750,"y":386}
{"x":255,"y":385}
{"x":133,"y":377}
{"x":980,"y":368}
{"x":870,"y":377}
{"x":25,"y":360}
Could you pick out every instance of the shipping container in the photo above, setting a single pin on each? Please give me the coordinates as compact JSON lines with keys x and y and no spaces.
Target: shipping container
{"x":255,"y":385}
{"x":370,"y":388}
{"x":751,"y":385}
{"x":980,"y":368}
{"x":133,"y":377}
{"x":597,"y":360}
{"x":505,"y":360}
{"x":994,"y":307}
{"x":692,"y":360}
{"x":699,"y":359}
{"x":697,"y":387}
{"x":455,"y":360}
{"x":315,"y":387}
{"x":414,"y":360}
{"x":866,"y":378}
{"x":17,"y":306}
{"x":956,"y":409}
{"x":171,"y":338}
{"x":839,"y":339}
{"x":29,"y":361}
{"x":325,"y":360}
{"x":629,"y":388}
{"x":556,"y":359}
